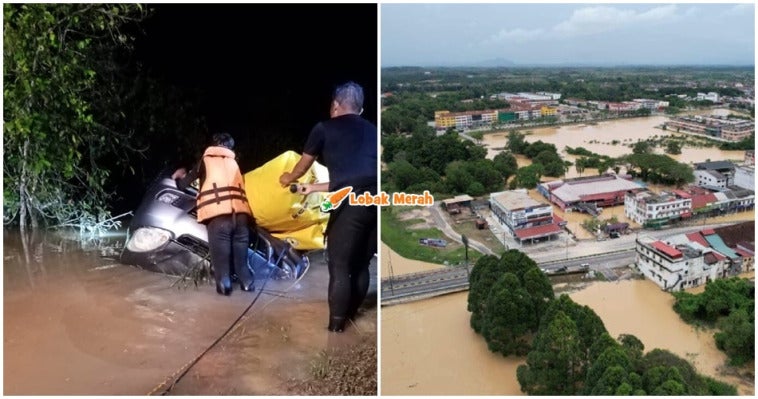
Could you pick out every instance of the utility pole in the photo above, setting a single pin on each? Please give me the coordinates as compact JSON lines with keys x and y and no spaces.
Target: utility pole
{"x":465,"y":244}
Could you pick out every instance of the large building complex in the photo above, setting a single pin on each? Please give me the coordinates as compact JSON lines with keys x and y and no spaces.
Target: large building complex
{"x":654,"y":210}
{"x":688,"y":260}
{"x":714,"y":126}
{"x":585,"y":193}
{"x":474,"y":119}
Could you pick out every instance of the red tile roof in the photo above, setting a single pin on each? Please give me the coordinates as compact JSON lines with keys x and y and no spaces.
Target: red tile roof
{"x":707,"y":232}
{"x":669,"y":251}
{"x":682,"y":193}
{"x":700,"y":201}
{"x":538,"y":231}
{"x":698,"y":238}
{"x":743,"y":253}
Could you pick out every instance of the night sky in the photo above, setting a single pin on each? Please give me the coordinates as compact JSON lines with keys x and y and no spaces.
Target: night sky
{"x":265,"y":69}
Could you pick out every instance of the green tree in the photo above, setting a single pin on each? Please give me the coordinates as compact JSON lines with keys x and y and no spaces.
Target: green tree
{"x":516,"y":142}
{"x":673,"y":147}
{"x":59,"y":109}
{"x":642,"y":147}
{"x":609,"y":371}
{"x":506,"y":164}
{"x":484,"y":275}
{"x":403,"y":174}
{"x":737,"y":336}
{"x":553,"y":366}
{"x":509,"y":316}
{"x":528,"y":176}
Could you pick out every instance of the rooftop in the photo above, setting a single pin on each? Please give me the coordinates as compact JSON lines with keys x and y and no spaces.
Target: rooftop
{"x":516,"y":199}
{"x":714,"y":165}
{"x":573,"y":190}
{"x":538,"y":231}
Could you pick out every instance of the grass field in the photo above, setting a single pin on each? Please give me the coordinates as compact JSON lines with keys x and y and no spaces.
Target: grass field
{"x":404,"y":241}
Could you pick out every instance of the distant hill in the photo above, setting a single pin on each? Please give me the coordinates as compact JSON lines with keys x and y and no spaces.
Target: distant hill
{"x":495,"y":62}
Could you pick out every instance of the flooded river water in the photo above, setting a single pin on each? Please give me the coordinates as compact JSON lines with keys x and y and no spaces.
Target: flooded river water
{"x":599,"y":138}
{"x":77,"y":322}
{"x":428,"y":347}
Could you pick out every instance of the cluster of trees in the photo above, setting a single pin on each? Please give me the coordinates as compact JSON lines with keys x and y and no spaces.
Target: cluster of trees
{"x":589,"y":159}
{"x":728,"y":304}
{"x":79,"y":109}
{"x":600,"y":84}
{"x":567,"y":347}
{"x":545,"y":160}
{"x":658,"y":168}
{"x":744,"y":144}
{"x":442,"y":164}
{"x":507,"y":298}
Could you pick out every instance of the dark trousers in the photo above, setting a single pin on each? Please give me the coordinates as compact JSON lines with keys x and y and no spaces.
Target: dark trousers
{"x":351,"y":242}
{"x":228,"y":238}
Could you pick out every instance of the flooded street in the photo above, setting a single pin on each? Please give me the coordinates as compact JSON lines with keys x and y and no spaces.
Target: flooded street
{"x":428,"y":347}
{"x":79,"y":323}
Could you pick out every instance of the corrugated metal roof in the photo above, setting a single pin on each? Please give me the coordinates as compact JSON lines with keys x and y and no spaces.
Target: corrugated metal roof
{"x":718,"y":244}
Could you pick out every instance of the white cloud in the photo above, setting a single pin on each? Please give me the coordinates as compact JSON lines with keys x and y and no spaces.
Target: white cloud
{"x":517,"y":35}
{"x":594,"y":20}
{"x":588,"y":21}
{"x":740,"y":10}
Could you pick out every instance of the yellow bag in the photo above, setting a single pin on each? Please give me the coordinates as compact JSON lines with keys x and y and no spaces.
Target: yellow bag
{"x":278,"y":210}
{"x":305,"y":239}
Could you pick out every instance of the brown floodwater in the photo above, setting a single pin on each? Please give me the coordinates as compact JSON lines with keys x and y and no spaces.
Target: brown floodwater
{"x":599,"y":139}
{"x":428,"y":347}
{"x":77,"y":322}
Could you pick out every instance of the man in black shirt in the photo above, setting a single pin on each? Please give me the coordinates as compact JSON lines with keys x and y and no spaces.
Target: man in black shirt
{"x":347,"y":145}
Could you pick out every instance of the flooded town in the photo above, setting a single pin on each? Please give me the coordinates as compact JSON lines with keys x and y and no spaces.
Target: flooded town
{"x":630,"y":190}
{"x":437,"y":199}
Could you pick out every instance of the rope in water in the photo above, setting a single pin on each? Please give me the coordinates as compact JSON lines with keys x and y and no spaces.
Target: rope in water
{"x":182,"y":371}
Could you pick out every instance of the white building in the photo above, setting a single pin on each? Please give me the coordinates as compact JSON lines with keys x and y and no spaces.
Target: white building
{"x":678,"y":263}
{"x":710,"y":179}
{"x":735,"y":200}
{"x":723,"y":169}
{"x":646,"y":207}
{"x":517,"y":210}
{"x":744,"y":176}
{"x":711,"y":96}
{"x":553,"y":96}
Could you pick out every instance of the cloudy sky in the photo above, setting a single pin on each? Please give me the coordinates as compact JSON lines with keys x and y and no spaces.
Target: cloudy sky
{"x":567,"y":34}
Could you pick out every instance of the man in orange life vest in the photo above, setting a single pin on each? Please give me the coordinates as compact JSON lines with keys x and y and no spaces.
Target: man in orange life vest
{"x":222,"y":205}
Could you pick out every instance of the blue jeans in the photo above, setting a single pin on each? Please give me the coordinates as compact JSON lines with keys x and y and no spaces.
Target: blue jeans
{"x":229,"y":238}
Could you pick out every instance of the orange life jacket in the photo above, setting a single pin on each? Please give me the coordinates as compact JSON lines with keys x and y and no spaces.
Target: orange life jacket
{"x":222,"y":192}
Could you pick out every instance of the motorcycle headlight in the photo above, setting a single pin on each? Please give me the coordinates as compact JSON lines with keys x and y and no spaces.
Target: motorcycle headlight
{"x":147,"y":239}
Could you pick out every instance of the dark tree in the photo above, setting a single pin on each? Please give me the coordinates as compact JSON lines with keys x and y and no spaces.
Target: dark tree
{"x":553,"y":366}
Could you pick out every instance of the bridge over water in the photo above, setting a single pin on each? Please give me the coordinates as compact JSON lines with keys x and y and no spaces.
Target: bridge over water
{"x":422,"y":285}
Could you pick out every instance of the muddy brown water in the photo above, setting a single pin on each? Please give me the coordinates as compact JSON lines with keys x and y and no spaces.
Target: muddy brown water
{"x":76,"y":322}
{"x":599,"y":138}
{"x":428,"y":347}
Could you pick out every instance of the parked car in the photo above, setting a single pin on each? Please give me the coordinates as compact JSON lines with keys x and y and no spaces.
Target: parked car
{"x":433,"y":242}
{"x":164,"y":236}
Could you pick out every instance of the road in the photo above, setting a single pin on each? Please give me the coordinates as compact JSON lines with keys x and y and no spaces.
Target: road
{"x":422,"y":285}
{"x":445,"y":227}
{"x":602,"y":257}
